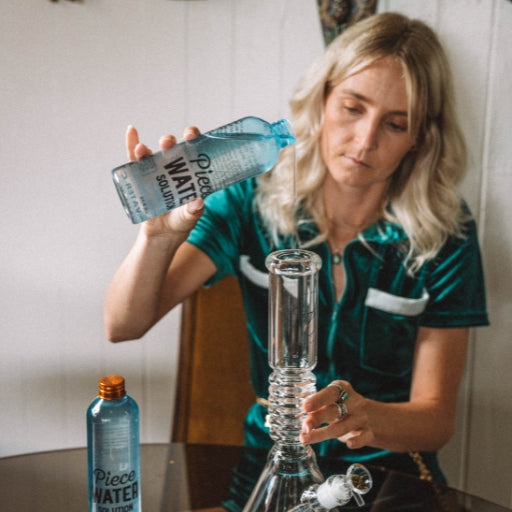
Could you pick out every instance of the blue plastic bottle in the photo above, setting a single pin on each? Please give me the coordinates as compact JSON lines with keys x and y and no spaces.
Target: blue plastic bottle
{"x":196,"y":168}
{"x":113,"y":449}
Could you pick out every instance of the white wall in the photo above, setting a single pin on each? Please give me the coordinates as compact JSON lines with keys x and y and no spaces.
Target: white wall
{"x":73,"y":75}
{"x":478,"y":36}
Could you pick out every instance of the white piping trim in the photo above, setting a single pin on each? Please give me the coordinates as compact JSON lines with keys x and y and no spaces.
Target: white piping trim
{"x":254,"y":275}
{"x":395,"y":304}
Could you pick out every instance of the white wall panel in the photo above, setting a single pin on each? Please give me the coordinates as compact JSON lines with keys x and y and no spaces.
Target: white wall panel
{"x":72,"y":77}
{"x":460,"y":25}
{"x":209,"y":34}
{"x":477,"y":36}
{"x":490,"y":443}
{"x":426,"y":11}
{"x":256,"y":59}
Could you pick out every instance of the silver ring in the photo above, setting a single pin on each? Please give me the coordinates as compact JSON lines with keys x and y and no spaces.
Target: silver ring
{"x":343,"y":394}
{"x":342,"y":410}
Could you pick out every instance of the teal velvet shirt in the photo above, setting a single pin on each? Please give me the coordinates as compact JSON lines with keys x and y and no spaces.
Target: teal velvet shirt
{"x":367,"y":337}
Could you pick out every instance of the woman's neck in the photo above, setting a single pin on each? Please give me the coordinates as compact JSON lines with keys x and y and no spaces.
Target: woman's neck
{"x":349,"y":211}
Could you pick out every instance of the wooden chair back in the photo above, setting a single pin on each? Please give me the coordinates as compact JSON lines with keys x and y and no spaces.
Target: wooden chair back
{"x":213,"y":386}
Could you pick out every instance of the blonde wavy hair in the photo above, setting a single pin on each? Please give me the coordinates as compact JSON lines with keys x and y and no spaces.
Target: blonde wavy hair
{"x":423,"y":194}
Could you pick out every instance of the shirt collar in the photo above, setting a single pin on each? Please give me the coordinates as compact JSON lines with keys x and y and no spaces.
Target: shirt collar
{"x":383,"y":232}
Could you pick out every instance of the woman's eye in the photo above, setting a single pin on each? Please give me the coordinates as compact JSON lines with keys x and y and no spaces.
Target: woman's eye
{"x":397,"y":127}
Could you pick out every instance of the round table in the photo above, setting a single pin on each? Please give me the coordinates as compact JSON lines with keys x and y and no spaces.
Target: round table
{"x":180,"y":477}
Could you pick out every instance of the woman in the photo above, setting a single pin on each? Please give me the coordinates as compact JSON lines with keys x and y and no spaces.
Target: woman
{"x":379,"y":156}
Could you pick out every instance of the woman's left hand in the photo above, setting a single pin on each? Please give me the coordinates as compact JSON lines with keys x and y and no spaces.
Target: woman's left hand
{"x":337,"y":411}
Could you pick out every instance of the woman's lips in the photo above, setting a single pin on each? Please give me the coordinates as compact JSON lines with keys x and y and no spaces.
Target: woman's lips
{"x":356,"y":161}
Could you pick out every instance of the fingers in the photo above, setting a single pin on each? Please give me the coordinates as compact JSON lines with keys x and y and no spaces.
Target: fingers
{"x":358,"y":438}
{"x":336,"y":411}
{"x":330,"y":414}
{"x":132,"y":139}
{"x":188,"y":215}
{"x":167,"y":141}
{"x":136,"y":150}
{"x":327,"y":396}
{"x":179,"y":220}
{"x":191,"y":132}
{"x":353,"y":430}
{"x":195,"y":208}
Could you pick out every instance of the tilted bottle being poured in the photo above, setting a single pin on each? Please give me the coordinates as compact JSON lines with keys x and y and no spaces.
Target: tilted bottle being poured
{"x":196,"y":168}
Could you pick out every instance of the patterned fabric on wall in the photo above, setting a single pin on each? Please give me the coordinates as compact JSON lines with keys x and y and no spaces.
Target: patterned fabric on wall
{"x":337,"y":15}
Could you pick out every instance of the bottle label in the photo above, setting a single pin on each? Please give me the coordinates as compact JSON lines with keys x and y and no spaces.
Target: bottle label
{"x":115,"y":492}
{"x":184,"y":181}
{"x":171,"y":178}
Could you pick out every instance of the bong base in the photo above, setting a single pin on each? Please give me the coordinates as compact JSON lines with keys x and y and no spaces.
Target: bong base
{"x":289,"y":471}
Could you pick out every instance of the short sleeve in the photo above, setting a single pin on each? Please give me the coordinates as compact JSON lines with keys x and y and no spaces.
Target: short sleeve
{"x":219,"y":232}
{"x":455,"y":284}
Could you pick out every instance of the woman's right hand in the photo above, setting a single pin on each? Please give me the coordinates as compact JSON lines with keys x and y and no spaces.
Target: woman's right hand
{"x":178,"y":221}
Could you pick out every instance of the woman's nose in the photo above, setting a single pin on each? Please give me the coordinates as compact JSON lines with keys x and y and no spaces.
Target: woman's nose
{"x":368,"y":134}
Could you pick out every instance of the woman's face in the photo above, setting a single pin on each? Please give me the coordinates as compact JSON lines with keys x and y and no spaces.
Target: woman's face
{"x":365,"y":133}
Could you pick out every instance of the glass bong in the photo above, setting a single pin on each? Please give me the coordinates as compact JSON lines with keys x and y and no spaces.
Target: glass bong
{"x":291,"y":466}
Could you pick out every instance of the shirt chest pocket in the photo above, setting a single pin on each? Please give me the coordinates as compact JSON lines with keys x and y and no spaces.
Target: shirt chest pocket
{"x":388,"y":334}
